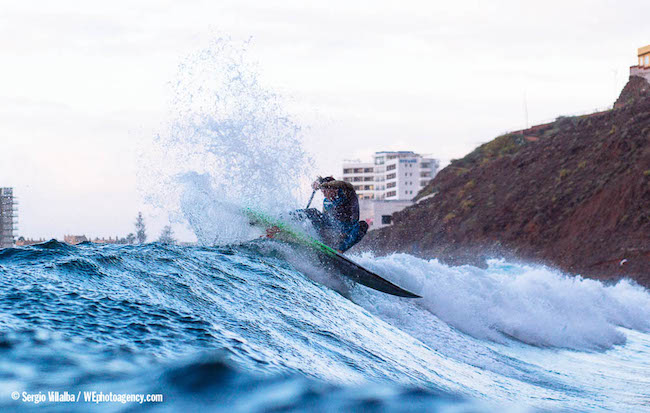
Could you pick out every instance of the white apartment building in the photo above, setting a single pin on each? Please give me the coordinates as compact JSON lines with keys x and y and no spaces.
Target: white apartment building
{"x":393,"y":176}
{"x":389,"y":183}
{"x":378,"y":213}
{"x":362,"y":176}
{"x":8,"y":218}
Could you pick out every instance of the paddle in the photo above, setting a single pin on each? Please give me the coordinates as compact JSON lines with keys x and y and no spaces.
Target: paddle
{"x":310,"y":199}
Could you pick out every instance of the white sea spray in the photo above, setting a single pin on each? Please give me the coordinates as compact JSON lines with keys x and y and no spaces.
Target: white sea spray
{"x":229,"y":144}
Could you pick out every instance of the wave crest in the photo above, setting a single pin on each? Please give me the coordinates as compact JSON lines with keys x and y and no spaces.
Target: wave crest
{"x":533,"y":304}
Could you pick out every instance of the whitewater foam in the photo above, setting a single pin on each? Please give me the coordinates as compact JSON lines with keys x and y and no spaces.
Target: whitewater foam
{"x":533,"y":304}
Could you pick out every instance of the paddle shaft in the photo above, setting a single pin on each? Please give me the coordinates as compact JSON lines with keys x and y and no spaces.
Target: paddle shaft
{"x":311,"y":199}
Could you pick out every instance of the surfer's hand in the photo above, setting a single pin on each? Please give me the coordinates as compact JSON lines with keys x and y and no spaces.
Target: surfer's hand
{"x":315,"y":185}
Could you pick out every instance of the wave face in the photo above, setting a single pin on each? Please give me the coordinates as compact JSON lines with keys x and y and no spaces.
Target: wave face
{"x":246,"y":328}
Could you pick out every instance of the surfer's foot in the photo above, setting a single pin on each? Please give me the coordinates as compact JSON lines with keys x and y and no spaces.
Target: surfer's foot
{"x":271,"y":232}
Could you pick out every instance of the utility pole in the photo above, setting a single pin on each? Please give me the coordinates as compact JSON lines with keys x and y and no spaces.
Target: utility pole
{"x":525,"y":110}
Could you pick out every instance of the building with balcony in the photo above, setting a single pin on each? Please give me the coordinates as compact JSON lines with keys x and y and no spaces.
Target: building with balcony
{"x":395,"y":176}
{"x":362,"y":176}
{"x":644,"y":56}
{"x":643,"y":68}
{"x":389,"y":183}
{"x":8,"y":217}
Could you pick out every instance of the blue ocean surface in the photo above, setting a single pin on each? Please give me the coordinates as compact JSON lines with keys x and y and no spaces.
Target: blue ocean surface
{"x":238,"y":325}
{"x":258,"y":327}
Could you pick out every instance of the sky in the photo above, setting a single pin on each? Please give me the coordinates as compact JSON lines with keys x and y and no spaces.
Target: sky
{"x":84,"y":84}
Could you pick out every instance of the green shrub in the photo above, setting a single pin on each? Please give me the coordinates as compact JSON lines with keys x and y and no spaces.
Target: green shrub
{"x":564,"y":173}
{"x":448,"y":217}
{"x":467,"y":204}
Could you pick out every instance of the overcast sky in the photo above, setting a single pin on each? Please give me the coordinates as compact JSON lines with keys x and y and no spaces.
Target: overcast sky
{"x":83,"y":83}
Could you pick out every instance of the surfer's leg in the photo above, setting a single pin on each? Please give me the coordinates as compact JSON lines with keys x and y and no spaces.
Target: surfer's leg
{"x":352,"y":234}
{"x":315,"y":217}
{"x":310,"y":214}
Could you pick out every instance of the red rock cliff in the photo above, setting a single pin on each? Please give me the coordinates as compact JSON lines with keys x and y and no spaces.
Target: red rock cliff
{"x":573,"y":194}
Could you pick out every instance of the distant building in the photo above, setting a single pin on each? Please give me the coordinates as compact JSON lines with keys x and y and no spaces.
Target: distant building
{"x":643,"y":68}
{"x":362,"y":176}
{"x":644,"y":56}
{"x":23,"y":242}
{"x":379,"y":213}
{"x":393,"y":176}
{"x":109,"y":240}
{"x":77,"y":239}
{"x":74,"y":239}
{"x":389,"y":183}
{"x":8,"y":217}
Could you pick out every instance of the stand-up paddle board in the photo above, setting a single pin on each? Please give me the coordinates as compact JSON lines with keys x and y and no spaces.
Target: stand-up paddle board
{"x":347,"y":267}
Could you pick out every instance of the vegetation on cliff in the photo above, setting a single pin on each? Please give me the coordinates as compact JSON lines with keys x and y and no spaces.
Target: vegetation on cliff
{"x":574,"y":194}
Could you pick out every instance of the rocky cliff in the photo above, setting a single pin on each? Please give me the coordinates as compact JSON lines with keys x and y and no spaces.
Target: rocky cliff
{"x":573,"y":194}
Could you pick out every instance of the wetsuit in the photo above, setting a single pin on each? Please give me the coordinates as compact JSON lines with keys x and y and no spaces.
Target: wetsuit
{"x":339,"y":224}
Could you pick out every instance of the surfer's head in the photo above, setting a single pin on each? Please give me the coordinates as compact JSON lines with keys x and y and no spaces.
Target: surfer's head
{"x":325,"y":180}
{"x":329,"y":192}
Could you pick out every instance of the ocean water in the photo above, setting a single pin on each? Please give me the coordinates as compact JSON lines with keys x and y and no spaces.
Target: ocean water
{"x":238,"y":325}
{"x":255,"y":327}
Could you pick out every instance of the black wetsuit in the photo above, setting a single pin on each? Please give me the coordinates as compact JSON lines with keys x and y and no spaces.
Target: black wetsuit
{"x":339,"y":225}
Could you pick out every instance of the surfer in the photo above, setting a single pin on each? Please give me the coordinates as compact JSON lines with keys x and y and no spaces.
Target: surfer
{"x":338,"y":225}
